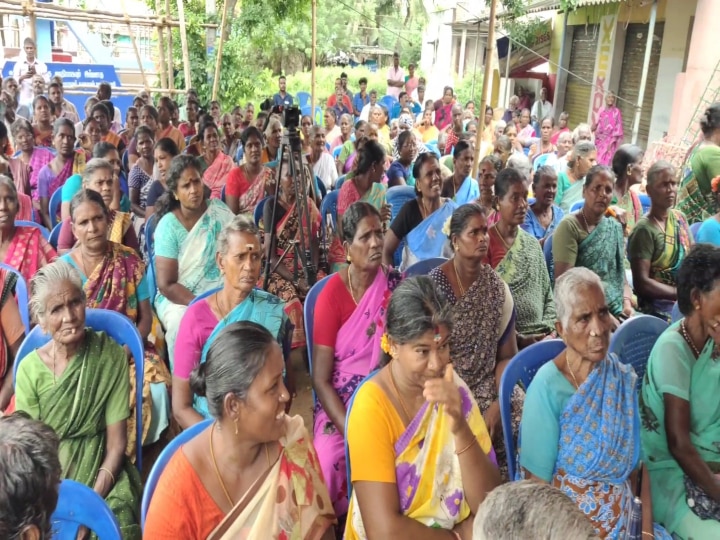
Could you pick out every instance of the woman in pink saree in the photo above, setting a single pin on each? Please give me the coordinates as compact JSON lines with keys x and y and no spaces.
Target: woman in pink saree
{"x":348,"y":325}
{"x":26,"y":166}
{"x":27,"y":250}
{"x":608,"y":130}
{"x":217,"y":165}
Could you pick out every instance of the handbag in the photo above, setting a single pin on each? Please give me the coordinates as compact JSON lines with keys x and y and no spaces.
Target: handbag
{"x":702,"y":505}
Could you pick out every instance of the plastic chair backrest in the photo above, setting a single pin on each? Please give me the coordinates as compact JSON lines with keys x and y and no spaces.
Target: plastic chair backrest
{"x":634,"y":339}
{"x":150,"y":226}
{"x":329,"y":206}
{"x":162,"y":461}
{"x":645,"y":202}
{"x":676,"y":313}
{"x":79,"y":505}
{"x":321,"y":187}
{"x":222,"y":194}
{"x":339,"y":182}
{"x":204,"y":295}
{"x":306,"y":110}
{"x":258,"y":213}
{"x":549,"y":261}
{"x":54,"y":207}
{"x":347,"y":417}
{"x":55,"y":235}
{"x":21,"y":293}
{"x":577,"y":206}
{"x":422,"y":268}
{"x":309,"y":314}
{"x":395,"y":111}
{"x":521,"y":369}
{"x":43,"y":230}
{"x":388,"y":102}
{"x":124,"y":332}
{"x":694,"y":228}
{"x":303,"y":99}
{"x":336,"y":151}
{"x":125,"y":160}
{"x":397,"y":196}
{"x":318,"y":120}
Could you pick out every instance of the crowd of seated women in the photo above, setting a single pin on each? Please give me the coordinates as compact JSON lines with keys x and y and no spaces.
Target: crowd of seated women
{"x":423,"y":356}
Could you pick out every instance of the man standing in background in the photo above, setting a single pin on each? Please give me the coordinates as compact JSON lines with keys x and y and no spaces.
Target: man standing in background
{"x":282,"y":98}
{"x":361,"y":98}
{"x":395,"y":77}
{"x":26,"y":67}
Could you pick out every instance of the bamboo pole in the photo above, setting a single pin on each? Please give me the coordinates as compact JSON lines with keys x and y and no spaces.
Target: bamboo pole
{"x":313,"y":60}
{"x":486,"y":78}
{"x":184,"y":42}
{"x":170,"y":57}
{"x":161,"y":48}
{"x":53,"y":11}
{"x":134,"y":45}
{"x":33,"y":24}
{"x":218,"y":52}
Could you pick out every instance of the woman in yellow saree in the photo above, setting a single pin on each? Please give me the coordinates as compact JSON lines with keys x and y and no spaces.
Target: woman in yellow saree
{"x":421,"y":457}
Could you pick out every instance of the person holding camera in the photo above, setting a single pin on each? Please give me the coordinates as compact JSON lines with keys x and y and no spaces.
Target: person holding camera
{"x":25,"y":69}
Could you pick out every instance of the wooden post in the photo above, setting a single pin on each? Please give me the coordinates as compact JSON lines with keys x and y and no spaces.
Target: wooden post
{"x":184,"y":41}
{"x":218,"y":52}
{"x":135,"y":47}
{"x":313,"y":60}
{"x":486,"y":79}
{"x":170,"y":57}
{"x":33,"y":25}
{"x":161,"y":49}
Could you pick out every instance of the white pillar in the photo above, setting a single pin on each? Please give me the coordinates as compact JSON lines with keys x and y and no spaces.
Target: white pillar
{"x":461,"y":64}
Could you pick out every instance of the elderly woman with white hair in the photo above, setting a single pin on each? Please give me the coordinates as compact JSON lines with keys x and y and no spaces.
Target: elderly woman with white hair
{"x":530,"y":510}
{"x":581,"y":422}
{"x":78,"y":384}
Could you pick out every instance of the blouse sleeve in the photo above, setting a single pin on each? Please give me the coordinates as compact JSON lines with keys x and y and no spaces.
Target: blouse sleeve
{"x":166,"y":243}
{"x":672,"y":367}
{"x":327,"y":319}
{"x":26,"y":398}
{"x":565,"y":242}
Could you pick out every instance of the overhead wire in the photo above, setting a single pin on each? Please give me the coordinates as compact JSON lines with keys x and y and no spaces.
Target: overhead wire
{"x":377,"y":24}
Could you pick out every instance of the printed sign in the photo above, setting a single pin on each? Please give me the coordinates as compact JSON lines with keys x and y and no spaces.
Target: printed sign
{"x":601,"y":77}
{"x":75,"y":74}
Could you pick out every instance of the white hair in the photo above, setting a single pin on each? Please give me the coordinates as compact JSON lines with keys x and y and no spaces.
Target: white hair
{"x":568,"y":288}
{"x":46,"y":281}
{"x":521,"y":163}
{"x":580,"y":128}
{"x":529,"y":509}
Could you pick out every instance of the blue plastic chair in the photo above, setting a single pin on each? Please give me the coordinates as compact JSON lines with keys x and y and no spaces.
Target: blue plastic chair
{"x":397,"y":196}
{"x":676,"y":313}
{"x":634,"y":339}
{"x":577,"y":206}
{"x":329,"y":206}
{"x":54,"y":207}
{"x":55,"y":236}
{"x":79,"y":505}
{"x":336,"y":151}
{"x":124,"y":332}
{"x":347,"y":417}
{"x":522,"y":369}
{"x":422,"y":268}
{"x":306,"y":110}
{"x":163,"y":460}
{"x":43,"y":230}
{"x":303,"y":99}
{"x":388,"y":102}
{"x":321,"y":188}
{"x":695,"y":229}
{"x":125,"y":160}
{"x":339,"y":182}
{"x":150,"y":226}
{"x":549,"y":261}
{"x":258,"y":213}
{"x":222,"y":194}
{"x":204,"y":295}
{"x":309,"y":314}
{"x":21,"y":293}
{"x":645,"y":202}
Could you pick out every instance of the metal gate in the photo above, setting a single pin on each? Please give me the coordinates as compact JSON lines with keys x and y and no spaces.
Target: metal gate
{"x":582,"y":66}
{"x":632,"y":67}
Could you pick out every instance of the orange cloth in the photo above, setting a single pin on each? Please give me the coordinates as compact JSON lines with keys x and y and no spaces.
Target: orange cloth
{"x":171,"y":517}
{"x":173,"y":133}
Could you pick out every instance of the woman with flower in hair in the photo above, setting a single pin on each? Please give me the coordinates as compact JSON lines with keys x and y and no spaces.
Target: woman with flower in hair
{"x":710,"y":230}
{"x":349,"y":321}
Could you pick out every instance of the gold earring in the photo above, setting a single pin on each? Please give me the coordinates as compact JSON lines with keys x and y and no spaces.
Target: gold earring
{"x":236,"y":428}
{"x":349,"y":259}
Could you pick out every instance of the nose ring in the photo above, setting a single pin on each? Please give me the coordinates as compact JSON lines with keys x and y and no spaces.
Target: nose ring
{"x":592,"y":333}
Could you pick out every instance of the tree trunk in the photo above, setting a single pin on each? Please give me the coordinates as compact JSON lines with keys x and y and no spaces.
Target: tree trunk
{"x":232,"y":4}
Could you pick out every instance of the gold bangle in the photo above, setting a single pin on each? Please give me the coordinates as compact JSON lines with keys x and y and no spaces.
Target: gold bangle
{"x":651,"y":535}
{"x":107,"y":471}
{"x":466,"y":448}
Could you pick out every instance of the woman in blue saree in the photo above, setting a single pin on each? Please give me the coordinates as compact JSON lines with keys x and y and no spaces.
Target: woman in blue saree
{"x":420,"y":221}
{"x":581,"y":420}
{"x":461,"y":187}
{"x":570,"y":181}
{"x":239,"y":258}
{"x":589,"y":238}
{"x":185,"y":241}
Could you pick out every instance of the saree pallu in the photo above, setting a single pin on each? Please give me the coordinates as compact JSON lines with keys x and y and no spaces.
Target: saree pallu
{"x":287,"y":231}
{"x":40,"y":157}
{"x":113,"y":138}
{"x":25,"y":208}
{"x":665,"y":268}
{"x":113,"y":285}
{"x":469,"y":191}
{"x":215,"y":176}
{"x":291,"y":502}
{"x":630,"y":202}
{"x":43,"y":138}
{"x":75,"y":407}
{"x":20,"y":173}
{"x":256,"y":192}
{"x":443,"y":115}
{"x":695,"y":198}
{"x":608,"y":134}
{"x":572,"y":195}
{"x":28,"y":252}
{"x":603,"y":252}
{"x":197,"y":270}
{"x":524,"y":270}
{"x":259,"y":307}
{"x":7,"y":285}
{"x":599,"y":447}
{"x":427,"y":240}
{"x":76,"y":165}
{"x":429,"y":480}
{"x":357,"y":354}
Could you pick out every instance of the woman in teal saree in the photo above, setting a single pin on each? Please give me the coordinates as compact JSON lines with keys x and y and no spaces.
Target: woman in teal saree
{"x":78,"y":384}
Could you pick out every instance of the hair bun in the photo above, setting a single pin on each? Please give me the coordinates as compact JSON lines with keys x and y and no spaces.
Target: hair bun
{"x":198,"y":384}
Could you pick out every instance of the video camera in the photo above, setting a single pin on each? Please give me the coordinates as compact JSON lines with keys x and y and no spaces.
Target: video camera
{"x":290,"y":115}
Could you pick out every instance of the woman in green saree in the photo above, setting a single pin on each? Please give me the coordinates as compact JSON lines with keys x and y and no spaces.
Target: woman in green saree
{"x":78,"y":384}
{"x":696,"y":200}
{"x":588,"y":238}
{"x":658,"y":245}
{"x":518,"y":259}
{"x":570,"y":185}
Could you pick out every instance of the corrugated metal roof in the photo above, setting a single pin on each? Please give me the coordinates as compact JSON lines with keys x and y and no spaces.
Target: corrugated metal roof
{"x":537,"y":6}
